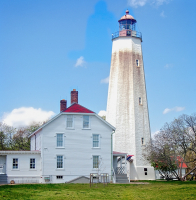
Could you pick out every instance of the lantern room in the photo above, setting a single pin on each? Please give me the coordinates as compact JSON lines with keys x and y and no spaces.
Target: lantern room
{"x":127,"y":22}
{"x":127,"y":27}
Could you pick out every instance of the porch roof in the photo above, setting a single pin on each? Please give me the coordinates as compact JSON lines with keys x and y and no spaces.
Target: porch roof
{"x":19,"y":152}
{"x":116,"y":153}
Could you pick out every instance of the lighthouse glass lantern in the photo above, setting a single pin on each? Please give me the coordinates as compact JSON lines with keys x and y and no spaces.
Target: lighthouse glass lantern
{"x":127,"y":27}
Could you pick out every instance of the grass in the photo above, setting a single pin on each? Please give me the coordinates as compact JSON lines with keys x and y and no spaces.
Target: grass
{"x":154,"y":190}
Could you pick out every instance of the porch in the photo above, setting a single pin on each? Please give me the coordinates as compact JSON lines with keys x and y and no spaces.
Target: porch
{"x":120,"y":167}
{"x":3,"y":175}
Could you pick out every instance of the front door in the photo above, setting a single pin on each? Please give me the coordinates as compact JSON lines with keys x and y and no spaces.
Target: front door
{"x":2,"y":164}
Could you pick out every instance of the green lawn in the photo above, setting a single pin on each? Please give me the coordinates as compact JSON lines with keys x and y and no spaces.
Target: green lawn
{"x":153,"y":190}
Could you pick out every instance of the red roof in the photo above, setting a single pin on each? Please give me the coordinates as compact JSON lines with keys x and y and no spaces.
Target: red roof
{"x":116,"y":152}
{"x":181,"y":162}
{"x":127,"y":16}
{"x":77,"y":108}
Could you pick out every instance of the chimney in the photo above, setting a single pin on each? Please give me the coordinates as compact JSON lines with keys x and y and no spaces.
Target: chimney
{"x":63,"y":105}
{"x":74,"y":96}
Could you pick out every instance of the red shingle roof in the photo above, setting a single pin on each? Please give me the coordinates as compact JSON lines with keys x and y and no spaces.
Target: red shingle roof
{"x":181,"y":162}
{"x":116,"y":152}
{"x":77,"y":108}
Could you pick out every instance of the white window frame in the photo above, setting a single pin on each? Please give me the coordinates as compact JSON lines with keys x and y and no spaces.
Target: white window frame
{"x":32,"y":164}
{"x":88,"y":122}
{"x":68,"y":117}
{"x":62,"y":140}
{"x":98,"y":161}
{"x":137,"y":63}
{"x":13,"y":163}
{"x":95,"y":140}
{"x":58,"y":168}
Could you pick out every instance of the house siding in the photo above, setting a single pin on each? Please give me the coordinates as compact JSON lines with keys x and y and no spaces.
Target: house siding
{"x":77,"y":151}
{"x":23,"y":174}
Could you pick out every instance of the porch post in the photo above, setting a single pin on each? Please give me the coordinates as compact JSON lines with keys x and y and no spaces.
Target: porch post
{"x":120,"y":161}
{"x":125,"y":164}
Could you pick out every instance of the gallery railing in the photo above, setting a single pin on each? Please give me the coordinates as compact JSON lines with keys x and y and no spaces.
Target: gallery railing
{"x":125,"y":33}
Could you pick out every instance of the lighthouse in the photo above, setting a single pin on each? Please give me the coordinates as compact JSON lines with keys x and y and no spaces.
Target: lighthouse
{"x":127,"y":107}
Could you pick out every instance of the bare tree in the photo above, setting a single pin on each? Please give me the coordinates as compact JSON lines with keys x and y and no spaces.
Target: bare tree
{"x":16,"y":138}
{"x":174,"y":145}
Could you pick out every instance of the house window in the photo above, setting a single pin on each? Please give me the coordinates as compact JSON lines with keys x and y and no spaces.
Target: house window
{"x":86,"y":121}
{"x":59,"y":177}
{"x":59,"y":162}
{"x":142,"y":140}
{"x":140,"y":100}
{"x":15,"y":163}
{"x":95,"y":162}
{"x":69,"y":121}
{"x":146,"y":173}
{"x":32,"y":163}
{"x":137,"y":63}
{"x":145,"y":169}
{"x":59,"y":139}
{"x":95,"y":140}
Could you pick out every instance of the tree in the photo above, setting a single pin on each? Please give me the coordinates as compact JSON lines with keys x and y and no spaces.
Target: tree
{"x":103,"y":117}
{"x":174,"y":144}
{"x":6,"y":134}
{"x":2,"y":140}
{"x":16,"y":138}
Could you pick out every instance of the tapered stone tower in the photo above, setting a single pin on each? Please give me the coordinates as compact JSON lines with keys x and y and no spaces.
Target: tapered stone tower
{"x":127,"y":108}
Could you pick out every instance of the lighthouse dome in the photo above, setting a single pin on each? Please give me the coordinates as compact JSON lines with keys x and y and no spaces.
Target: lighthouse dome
{"x":127,"y":16}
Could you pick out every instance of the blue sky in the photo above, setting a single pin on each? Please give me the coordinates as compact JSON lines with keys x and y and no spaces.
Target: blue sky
{"x":49,"y":47}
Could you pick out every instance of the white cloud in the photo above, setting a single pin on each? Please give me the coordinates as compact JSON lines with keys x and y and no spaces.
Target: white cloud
{"x":102,"y":113}
{"x":25,"y":116}
{"x":162,"y":14}
{"x":106,"y":80}
{"x":160,"y":2}
{"x":175,"y":109}
{"x":154,"y":133}
{"x":168,"y":66}
{"x":80,"y":62}
{"x":136,"y":3}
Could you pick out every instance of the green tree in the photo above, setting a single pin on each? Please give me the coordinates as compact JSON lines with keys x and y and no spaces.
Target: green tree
{"x":174,"y":144}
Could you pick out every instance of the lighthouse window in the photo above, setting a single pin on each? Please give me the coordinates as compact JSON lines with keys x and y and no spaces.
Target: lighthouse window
{"x":140,"y":101}
{"x":142,"y":140}
{"x":137,"y":63}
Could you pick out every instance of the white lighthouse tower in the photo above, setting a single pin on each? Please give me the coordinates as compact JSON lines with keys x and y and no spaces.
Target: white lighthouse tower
{"x":127,"y":107}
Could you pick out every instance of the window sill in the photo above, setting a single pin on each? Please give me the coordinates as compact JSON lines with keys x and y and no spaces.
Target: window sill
{"x":60,"y":147}
{"x":33,"y":169}
{"x":86,"y":128}
{"x":70,"y":128}
{"x":60,"y":169}
{"x":15,"y":170}
{"x":96,"y":147}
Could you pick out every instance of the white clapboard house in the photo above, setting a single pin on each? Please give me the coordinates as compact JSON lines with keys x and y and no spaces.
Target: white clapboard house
{"x":69,"y":147}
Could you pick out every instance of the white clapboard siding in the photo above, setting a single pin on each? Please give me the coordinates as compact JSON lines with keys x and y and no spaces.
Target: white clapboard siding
{"x":78,"y":150}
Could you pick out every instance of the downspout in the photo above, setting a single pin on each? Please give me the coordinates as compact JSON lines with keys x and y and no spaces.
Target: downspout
{"x":112,"y":155}
{"x":35,"y":142}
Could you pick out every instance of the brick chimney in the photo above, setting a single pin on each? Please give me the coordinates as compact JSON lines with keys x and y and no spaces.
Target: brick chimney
{"x":74,"y":96}
{"x":63,"y":105}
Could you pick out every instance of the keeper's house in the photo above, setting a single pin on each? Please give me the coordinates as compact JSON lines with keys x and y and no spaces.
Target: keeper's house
{"x":69,"y":147}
